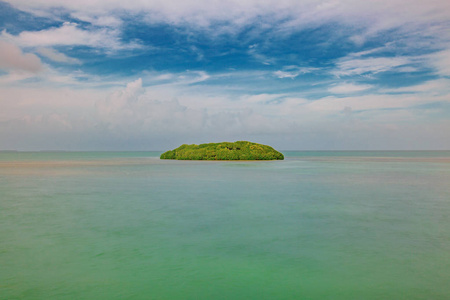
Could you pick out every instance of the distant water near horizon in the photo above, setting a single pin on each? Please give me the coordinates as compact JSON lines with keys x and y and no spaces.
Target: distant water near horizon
{"x":317,"y":225}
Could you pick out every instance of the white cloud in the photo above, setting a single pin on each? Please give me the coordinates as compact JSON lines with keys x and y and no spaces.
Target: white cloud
{"x":12,"y":58}
{"x":292,"y":71}
{"x":15,"y":76}
{"x":130,"y":112}
{"x":151,"y":117}
{"x":254,"y":52}
{"x":366,"y":19}
{"x":191,"y":77}
{"x":260,"y":98}
{"x":67,"y":35}
{"x":56,"y":56}
{"x":441,"y":61}
{"x":150,"y":112}
{"x":349,"y":65}
{"x":372,"y":102}
{"x":173,"y":106}
{"x":348,"y":88}
{"x":98,"y":20}
{"x":362,"y":20}
{"x":427,"y":89}
{"x":384,"y":12}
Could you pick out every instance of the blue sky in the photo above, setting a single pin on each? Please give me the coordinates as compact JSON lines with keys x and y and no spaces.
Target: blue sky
{"x":150,"y":75}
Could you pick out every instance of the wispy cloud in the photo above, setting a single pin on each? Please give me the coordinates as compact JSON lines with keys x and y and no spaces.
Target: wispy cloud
{"x":348,"y":66}
{"x":293,"y":71}
{"x":348,"y":88}
{"x":371,"y":102}
{"x":69,"y":34}
{"x":98,"y":20}
{"x":254,"y":52}
{"x":441,"y":62}
{"x":56,"y":56}
{"x":384,"y":12}
{"x":428,"y":89}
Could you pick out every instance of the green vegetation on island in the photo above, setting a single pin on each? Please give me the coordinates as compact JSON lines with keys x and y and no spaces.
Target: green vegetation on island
{"x":241,"y":150}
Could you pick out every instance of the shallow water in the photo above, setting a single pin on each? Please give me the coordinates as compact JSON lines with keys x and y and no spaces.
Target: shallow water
{"x":318,"y":225}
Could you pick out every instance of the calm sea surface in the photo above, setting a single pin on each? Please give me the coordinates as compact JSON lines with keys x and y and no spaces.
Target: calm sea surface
{"x":318,"y":225}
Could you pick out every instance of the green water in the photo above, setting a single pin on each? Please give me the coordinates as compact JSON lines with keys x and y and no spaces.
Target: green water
{"x":318,"y":225}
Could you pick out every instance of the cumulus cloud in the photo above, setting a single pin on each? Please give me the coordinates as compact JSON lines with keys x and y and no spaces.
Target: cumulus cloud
{"x":12,"y":58}
{"x":130,"y":111}
{"x":135,"y":116}
{"x":133,"y":111}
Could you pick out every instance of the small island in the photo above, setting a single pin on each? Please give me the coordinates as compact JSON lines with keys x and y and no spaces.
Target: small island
{"x":240,"y":150}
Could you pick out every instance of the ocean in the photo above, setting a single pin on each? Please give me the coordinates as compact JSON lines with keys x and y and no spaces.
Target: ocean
{"x":318,"y":225}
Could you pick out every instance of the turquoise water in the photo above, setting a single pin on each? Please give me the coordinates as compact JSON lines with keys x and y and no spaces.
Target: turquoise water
{"x":318,"y":225}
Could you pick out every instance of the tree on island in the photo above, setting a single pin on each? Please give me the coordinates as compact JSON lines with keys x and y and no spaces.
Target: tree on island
{"x":240,"y":150}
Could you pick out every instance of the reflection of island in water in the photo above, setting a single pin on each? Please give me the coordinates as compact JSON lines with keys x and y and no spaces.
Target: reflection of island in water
{"x":241,"y":150}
